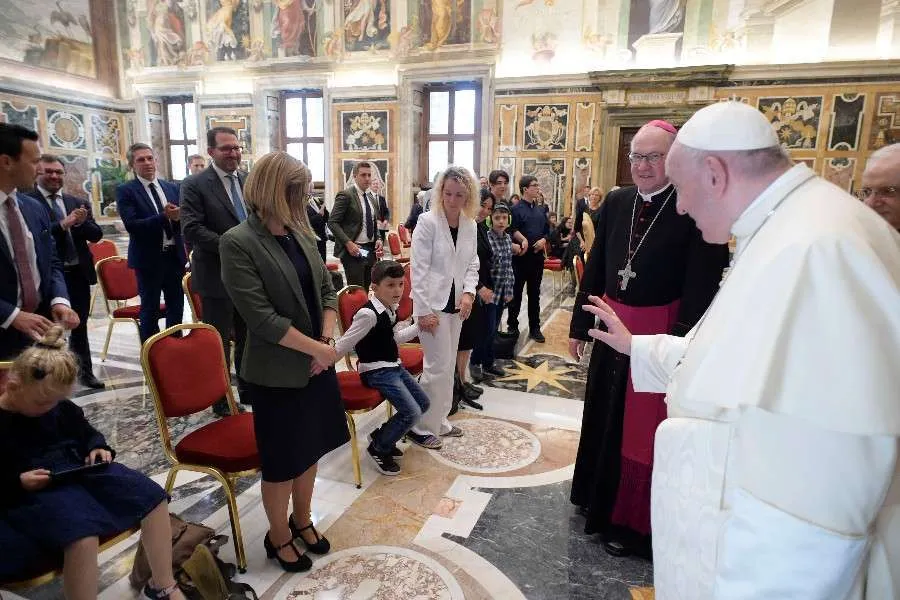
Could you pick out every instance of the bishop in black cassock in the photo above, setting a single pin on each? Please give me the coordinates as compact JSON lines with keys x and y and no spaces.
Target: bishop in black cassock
{"x":652,"y":265}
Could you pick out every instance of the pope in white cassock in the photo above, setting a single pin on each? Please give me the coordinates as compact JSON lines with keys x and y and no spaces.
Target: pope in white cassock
{"x":776,"y":474}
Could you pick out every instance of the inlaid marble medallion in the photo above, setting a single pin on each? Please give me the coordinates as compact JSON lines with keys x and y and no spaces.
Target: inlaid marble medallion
{"x":489,"y":446}
{"x":375,"y":573}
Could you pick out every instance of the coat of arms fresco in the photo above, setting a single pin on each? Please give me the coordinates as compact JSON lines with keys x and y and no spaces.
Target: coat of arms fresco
{"x":546,"y":126}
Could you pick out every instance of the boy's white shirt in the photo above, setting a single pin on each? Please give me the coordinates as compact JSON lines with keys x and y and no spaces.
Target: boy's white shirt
{"x":363,"y":322}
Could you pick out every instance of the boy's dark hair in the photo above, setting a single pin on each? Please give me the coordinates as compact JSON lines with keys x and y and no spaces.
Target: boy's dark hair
{"x":495,"y":176}
{"x":525,"y":181}
{"x":553,"y":214}
{"x":11,"y":138}
{"x":386,"y":269}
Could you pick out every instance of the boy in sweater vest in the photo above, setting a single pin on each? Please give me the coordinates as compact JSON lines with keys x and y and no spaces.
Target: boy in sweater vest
{"x":372,"y":335}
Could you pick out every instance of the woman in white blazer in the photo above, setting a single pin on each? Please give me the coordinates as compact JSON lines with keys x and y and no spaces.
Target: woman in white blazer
{"x":444,"y":274}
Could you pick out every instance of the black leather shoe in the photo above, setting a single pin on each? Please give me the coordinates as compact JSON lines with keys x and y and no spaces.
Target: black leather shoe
{"x":303,"y":562}
{"x":321,"y":546}
{"x":473,"y":404}
{"x":471,"y":392}
{"x":495,"y":370}
{"x":92,"y":382}
{"x":616,"y":548}
{"x":537,"y":336}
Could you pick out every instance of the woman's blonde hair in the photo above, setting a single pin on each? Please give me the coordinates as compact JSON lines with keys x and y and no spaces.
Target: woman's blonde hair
{"x":48,"y":363}
{"x":595,"y":190}
{"x":277,"y":187}
{"x":465,"y":178}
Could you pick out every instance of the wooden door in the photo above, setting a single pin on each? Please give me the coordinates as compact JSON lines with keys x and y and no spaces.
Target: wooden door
{"x":623,"y":166}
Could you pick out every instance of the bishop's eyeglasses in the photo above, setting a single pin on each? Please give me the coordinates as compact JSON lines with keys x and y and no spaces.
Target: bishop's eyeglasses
{"x":885,"y":193}
{"x":653,"y":158}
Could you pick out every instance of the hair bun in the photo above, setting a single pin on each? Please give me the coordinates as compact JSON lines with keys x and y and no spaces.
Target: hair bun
{"x":53,"y":339}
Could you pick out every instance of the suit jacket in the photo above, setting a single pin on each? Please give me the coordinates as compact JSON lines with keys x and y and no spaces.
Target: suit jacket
{"x":384,"y":213}
{"x":53,"y":283}
{"x":346,"y":220}
{"x":145,"y":224}
{"x":88,"y":231}
{"x":206,"y":213}
{"x":265,"y":289}
{"x":437,"y":264}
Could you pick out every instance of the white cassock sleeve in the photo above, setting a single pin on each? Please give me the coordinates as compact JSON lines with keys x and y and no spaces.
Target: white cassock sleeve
{"x":653,"y":360}
{"x":804,"y":503}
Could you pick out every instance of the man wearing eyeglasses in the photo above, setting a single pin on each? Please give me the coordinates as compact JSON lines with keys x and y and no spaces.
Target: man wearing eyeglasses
{"x":212,"y":202}
{"x":652,"y":264}
{"x":881,"y":184}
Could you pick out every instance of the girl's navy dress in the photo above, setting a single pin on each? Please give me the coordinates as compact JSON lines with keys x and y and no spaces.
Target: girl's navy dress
{"x":35,"y":526}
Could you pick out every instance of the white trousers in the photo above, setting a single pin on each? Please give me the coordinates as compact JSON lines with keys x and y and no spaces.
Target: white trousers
{"x":437,"y":373}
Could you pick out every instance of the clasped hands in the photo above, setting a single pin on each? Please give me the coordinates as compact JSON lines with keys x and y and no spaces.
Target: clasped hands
{"x":75,"y":218}
{"x":36,"y":326}
{"x":616,"y":336}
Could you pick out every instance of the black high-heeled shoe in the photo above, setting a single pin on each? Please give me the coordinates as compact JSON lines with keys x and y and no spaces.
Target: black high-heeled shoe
{"x":321,"y":546}
{"x":303,"y":563}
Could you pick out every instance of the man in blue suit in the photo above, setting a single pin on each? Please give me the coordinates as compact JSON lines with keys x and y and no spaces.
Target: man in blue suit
{"x":32,"y":285}
{"x":150,"y":212}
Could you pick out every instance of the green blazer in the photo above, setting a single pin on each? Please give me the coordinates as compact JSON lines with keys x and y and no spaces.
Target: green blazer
{"x":265,"y":290}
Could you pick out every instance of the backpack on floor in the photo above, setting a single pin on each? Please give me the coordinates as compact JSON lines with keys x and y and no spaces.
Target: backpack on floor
{"x":194,"y":555}
{"x":505,"y":345}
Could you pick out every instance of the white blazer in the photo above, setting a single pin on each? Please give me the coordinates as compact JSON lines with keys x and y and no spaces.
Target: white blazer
{"x":436,"y":264}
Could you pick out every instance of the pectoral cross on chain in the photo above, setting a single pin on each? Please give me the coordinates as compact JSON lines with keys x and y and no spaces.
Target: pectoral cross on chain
{"x":627,"y":275}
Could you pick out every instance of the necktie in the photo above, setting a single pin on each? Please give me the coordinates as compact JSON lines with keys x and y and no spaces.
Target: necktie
{"x":167,"y":227}
{"x":69,"y":253}
{"x":27,"y":281}
{"x":236,"y":199}
{"x":370,"y":223}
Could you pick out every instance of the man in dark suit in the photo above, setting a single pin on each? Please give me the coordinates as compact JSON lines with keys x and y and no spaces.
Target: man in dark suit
{"x":581,"y":205}
{"x":212,"y":202}
{"x":32,"y":285}
{"x":353,"y":223}
{"x":72,"y":227}
{"x":384,"y":213}
{"x":151,"y":215}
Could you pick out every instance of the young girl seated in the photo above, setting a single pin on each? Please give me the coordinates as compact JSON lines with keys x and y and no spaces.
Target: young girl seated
{"x":43,"y":517}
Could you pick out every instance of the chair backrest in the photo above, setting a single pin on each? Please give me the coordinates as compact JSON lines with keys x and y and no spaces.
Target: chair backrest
{"x":403,"y":232}
{"x":350,"y":299}
{"x":116,"y":278}
{"x":193,"y":298}
{"x":186,"y":374}
{"x":102,"y":249}
{"x":394,"y":243}
{"x":405,"y":307}
{"x":579,"y":269}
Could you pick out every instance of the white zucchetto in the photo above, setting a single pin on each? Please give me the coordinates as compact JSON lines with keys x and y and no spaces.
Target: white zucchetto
{"x":728,"y":126}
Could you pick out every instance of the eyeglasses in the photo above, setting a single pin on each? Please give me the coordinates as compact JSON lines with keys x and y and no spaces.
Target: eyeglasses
{"x":888,"y":193}
{"x":229,"y":149}
{"x":534,"y":184}
{"x":653,"y":158}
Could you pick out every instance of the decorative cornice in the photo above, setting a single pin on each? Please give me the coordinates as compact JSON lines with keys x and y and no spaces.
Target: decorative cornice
{"x":851,"y":71}
{"x":52,"y":94}
{"x":708,"y":75}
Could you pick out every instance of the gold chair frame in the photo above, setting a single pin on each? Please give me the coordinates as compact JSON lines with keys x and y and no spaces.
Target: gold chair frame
{"x":97,"y":285}
{"x":227,"y":479}
{"x":351,"y":422}
{"x":186,"y":287}
{"x":109,"y":312}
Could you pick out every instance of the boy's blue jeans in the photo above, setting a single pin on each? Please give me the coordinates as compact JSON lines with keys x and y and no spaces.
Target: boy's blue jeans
{"x":483,"y":353}
{"x":407,"y":397}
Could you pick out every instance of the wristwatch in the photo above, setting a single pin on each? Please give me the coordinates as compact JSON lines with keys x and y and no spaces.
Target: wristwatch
{"x":327,"y":340}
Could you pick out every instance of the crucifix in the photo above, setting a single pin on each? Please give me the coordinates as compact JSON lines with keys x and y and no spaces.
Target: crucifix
{"x":627,"y":275}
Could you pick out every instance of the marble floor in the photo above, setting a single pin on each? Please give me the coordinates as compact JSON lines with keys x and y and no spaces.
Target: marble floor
{"x":485,"y":517}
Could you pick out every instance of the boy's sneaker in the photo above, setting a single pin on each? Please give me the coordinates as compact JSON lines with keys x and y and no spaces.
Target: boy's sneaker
{"x":426,"y":441}
{"x":385,"y":463}
{"x":395,"y":451}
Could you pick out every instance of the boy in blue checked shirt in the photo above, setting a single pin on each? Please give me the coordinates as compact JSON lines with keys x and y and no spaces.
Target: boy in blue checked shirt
{"x":372,"y":335}
{"x":502,"y":274}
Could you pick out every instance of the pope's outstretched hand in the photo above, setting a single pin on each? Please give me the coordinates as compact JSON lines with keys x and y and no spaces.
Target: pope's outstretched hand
{"x":616,"y":335}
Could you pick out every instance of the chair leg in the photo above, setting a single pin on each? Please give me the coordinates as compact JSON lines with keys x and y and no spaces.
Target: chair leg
{"x":357,"y":470}
{"x":108,"y":337}
{"x":170,"y":479}
{"x":93,"y":298}
{"x":236,"y":526}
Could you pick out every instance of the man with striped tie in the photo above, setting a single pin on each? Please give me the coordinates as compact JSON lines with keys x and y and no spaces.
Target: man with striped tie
{"x":212,"y":202}
{"x":354,"y":224}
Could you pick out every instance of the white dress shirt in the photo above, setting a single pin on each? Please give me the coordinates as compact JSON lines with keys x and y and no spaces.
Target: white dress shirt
{"x":365,"y":197}
{"x":363,"y":322}
{"x":32,"y":255}
{"x":226,"y":182}
{"x":167,"y":241}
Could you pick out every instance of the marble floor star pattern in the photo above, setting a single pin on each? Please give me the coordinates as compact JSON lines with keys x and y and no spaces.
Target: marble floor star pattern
{"x":485,"y":517}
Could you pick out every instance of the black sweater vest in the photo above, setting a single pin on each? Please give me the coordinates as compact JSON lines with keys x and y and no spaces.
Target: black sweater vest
{"x":378,"y":345}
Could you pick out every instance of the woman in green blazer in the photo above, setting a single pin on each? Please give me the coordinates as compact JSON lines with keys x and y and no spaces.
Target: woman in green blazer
{"x":272,"y":270}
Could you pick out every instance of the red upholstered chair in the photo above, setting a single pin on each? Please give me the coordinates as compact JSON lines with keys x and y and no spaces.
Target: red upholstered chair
{"x":404,"y":310}
{"x":119,"y":284}
{"x":396,"y":248}
{"x":357,"y":399}
{"x":100,"y":250}
{"x":188,"y":375}
{"x":555,"y":266}
{"x":193,"y":298}
{"x":405,"y":237}
{"x":578,"y":265}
